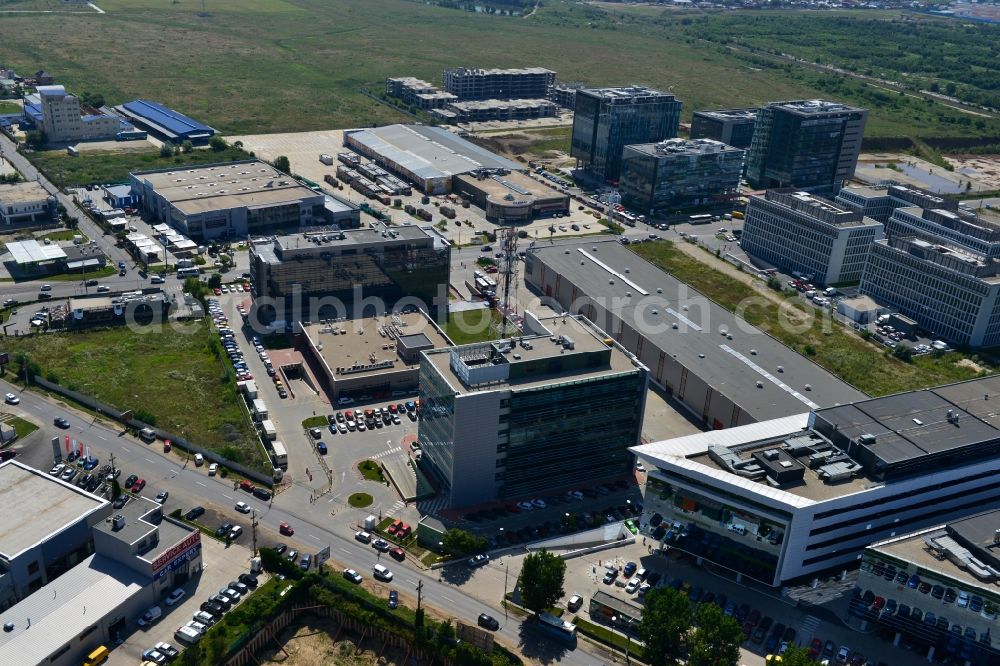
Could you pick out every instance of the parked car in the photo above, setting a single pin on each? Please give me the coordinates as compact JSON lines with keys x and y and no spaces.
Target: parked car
{"x":195,"y":512}
{"x":353,"y":576}
{"x":175,"y":597}
{"x":478,"y":560}
{"x":488,"y":622}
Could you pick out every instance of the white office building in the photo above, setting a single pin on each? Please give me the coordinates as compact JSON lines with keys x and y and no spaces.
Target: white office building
{"x":807,"y":234}
{"x":786,"y":499}
{"x":63,"y":121}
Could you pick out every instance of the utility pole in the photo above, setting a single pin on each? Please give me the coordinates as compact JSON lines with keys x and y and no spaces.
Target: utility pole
{"x":420,"y":589}
{"x":253,"y":528}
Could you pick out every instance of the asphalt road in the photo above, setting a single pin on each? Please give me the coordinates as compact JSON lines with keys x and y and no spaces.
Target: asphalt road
{"x":314,"y":527}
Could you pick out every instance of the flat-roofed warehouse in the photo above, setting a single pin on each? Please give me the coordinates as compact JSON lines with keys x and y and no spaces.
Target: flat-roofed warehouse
{"x":729,"y":379}
{"x":428,"y":157}
{"x":235,"y":199}
{"x":510,"y":197}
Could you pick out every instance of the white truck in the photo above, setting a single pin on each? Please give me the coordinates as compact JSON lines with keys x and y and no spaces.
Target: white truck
{"x":268,"y":430}
{"x":280,"y":454}
{"x":260,"y":410}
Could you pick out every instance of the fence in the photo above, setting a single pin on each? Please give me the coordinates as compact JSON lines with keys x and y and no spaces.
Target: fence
{"x":117,"y":414}
{"x":250,"y":652}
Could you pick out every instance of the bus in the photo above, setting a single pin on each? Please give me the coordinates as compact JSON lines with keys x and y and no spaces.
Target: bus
{"x":700,"y":219}
{"x":554,"y":626}
{"x":194,"y":271}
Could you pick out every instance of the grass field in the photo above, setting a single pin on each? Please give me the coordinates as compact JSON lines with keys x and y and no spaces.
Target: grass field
{"x":832,"y":345}
{"x":89,"y":168}
{"x":9,"y":107}
{"x":176,"y":377}
{"x":294,"y":65}
{"x":471,"y":326}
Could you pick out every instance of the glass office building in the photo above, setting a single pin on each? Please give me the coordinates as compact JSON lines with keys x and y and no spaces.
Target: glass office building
{"x":733,"y":127}
{"x":677,"y":174}
{"x":360,"y":272}
{"x":515,"y":419}
{"x":608,"y":119}
{"x":806,"y":143}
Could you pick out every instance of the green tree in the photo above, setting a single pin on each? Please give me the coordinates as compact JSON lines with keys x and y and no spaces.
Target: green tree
{"x":797,"y":656}
{"x":36,"y":139}
{"x":281,"y":163}
{"x":217,"y":143}
{"x":215,"y":281}
{"x":542,"y":575}
{"x":903,"y":353}
{"x":116,"y":490}
{"x":166,"y":150}
{"x":716,"y":641}
{"x":459,"y":542}
{"x":187,"y":146}
{"x":666,"y":620}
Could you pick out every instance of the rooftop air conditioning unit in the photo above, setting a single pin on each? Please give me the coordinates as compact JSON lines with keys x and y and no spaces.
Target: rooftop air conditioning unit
{"x":118,"y":522}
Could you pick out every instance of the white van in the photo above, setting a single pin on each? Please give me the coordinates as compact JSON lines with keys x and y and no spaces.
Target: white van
{"x":151,"y":616}
{"x":381,"y":572}
{"x":738,"y":528}
{"x":187,"y":635}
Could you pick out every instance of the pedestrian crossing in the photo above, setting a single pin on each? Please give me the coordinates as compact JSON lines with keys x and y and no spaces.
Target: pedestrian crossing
{"x":398,"y":506}
{"x":389,"y":452}
{"x":432,"y":506}
{"x":808,"y":629}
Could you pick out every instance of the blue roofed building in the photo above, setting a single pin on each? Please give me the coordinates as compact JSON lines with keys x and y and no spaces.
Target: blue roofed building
{"x":165,"y":123}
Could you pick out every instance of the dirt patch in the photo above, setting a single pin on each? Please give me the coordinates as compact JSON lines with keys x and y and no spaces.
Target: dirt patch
{"x":317,"y":640}
{"x":984,"y":169}
{"x":972,"y":365}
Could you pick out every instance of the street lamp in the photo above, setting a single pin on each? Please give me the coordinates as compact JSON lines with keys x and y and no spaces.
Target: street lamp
{"x":628,"y":640}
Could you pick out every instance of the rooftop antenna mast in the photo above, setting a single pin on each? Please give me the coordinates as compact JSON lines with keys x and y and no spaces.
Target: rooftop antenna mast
{"x":507,"y":270}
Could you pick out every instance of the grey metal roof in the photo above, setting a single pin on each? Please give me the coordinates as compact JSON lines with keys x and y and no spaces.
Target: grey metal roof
{"x":63,"y":609}
{"x":607,"y":271}
{"x":430,"y":152}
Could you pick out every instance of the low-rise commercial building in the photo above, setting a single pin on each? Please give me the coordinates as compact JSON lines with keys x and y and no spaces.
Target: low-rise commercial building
{"x":879,"y":203}
{"x":230,"y":200}
{"x":807,"y":234}
{"x":733,"y":127}
{"x":678,"y":173}
{"x":949,"y":290}
{"x":556,"y":408}
{"x":375,"y":357}
{"x":26,"y":204}
{"x":91,"y":573}
{"x":337,"y":274}
{"x":428,"y":157}
{"x":523,"y":83}
{"x":786,"y":499}
{"x":139,"y":307}
{"x":937,"y":587}
{"x":723,"y":370}
{"x":510,"y":197}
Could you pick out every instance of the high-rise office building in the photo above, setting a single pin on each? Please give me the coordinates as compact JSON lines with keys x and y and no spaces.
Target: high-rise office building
{"x":608,"y":119}
{"x":805,"y":144}
{"x":733,"y":127}
{"x":525,"y":83}
{"x":555,"y":409}
{"x":809,"y":235}
{"x":679,"y":173}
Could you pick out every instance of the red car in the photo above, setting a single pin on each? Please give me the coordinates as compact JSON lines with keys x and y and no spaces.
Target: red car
{"x":218,"y":292}
{"x":246,"y":286}
{"x":393,"y":409}
{"x":815,"y":647}
{"x":138,"y":485}
{"x":246,"y":485}
{"x":879,"y":603}
{"x":286,"y":529}
{"x":398,"y":554}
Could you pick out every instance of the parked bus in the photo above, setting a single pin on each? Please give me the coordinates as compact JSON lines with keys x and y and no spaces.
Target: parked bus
{"x":194,"y":271}
{"x":554,"y":626}
{"x":700,"y":219}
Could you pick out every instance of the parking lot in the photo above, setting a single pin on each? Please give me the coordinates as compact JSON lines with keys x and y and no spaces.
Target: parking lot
{"x":222,"y":565}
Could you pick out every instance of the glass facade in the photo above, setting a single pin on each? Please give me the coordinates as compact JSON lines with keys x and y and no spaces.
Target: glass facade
{"x":563,"y":435}
{"x":605,"y":121}
{"x":797,"y":147}
{"x":436,"y":430}
{"x":387,"y":273}
{"x":657,"y":183}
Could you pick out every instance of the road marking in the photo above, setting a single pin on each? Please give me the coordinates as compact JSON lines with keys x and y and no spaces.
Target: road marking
{"x":228,"y":497}
{"x":447,"y":598}
{"x":315,"y":538}
{"x":149,"y":461}
{"x":201,"y":484}
{"x":344,"y":550}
